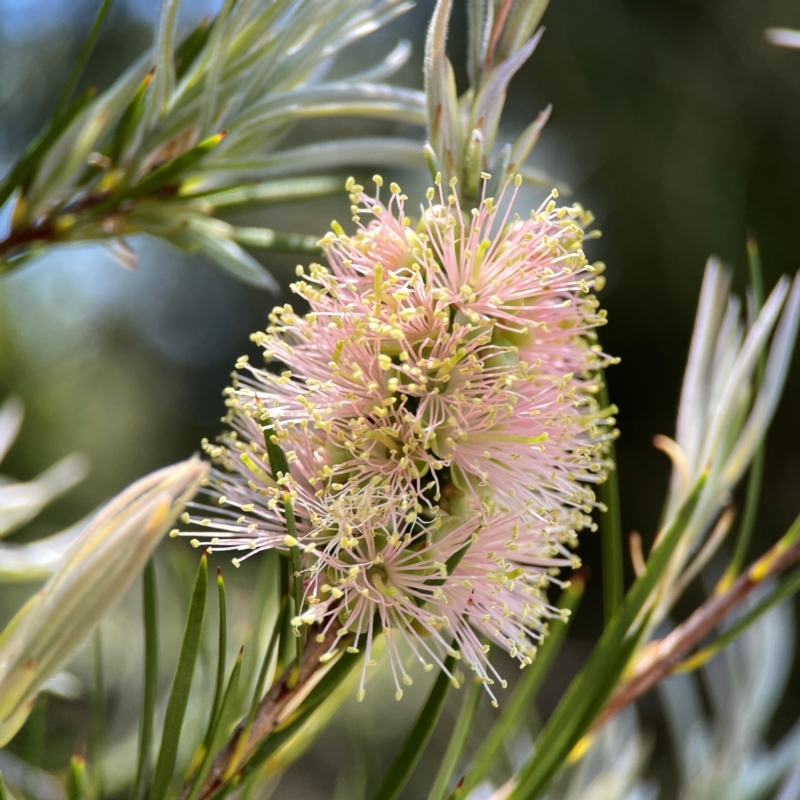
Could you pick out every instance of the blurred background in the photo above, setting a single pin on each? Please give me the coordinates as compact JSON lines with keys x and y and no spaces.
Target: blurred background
{"x":674,"y":122}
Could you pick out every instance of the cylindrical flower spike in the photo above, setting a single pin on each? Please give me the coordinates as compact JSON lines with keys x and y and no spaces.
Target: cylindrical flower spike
{"x":102,"y":564}
{"x":438,"y":417}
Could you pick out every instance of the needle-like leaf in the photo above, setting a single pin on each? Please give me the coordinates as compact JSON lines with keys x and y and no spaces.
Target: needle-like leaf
{"x":181,"y":684}
{"x":458,"y":740}
{"x":417,"y":739}
{"x":149,"y":695}
{"x":517,"y":706}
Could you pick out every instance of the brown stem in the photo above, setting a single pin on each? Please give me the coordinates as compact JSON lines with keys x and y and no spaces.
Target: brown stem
{"x":661,"y":657}
{"x":269,"y":713}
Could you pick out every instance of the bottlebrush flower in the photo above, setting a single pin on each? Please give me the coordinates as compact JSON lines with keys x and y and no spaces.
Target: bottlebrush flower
{"x":438,"y":417}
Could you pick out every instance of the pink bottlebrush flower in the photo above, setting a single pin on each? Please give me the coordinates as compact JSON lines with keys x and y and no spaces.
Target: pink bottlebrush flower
{"x":436,"y":407}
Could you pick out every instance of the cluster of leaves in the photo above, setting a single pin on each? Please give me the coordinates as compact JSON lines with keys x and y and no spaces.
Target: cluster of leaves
{"x":187,"y":134}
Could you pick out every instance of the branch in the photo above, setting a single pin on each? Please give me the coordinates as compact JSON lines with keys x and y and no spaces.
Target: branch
{"x":660,"y":658}
{"x":269,"y":714}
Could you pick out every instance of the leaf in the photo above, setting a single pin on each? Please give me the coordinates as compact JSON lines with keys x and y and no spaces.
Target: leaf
{"x":296,"y":578}
{"x":554,"y":745}
{"x":488,"y":104}
{"x":3,"y":794}
{"x":365,"y":151}
{"x":417,"y":738}
{"x":150,"y":686}
{"x":218,"y":50}
{"x":255,"y":195}
{"x":62,"y":164}
{"x":444,"y":124}
{"x":83,"y":57}
{"x":228,"y":255}
{"x":12,"y":412}
{"x":129,"y":121}
{"x":38,"y":559}
{"x":267,"y":239}
{"x":22,"y":173}
{"x":756,"y":476}
{"x":110,"y":552}
{"x":589,"y":690}
{"x":517,"y":706}
{"x":164,"y":79}
{"x":221,"y":658}
{"x":479,"y":15}
{"x":98,"y":713}
{"x":191,"y":47}
{"x":458,"y":740}
{"x":76,"y":778}
{"x":174,"y":169}
{"x":21,"y":502}
{"x":277,"y":459}
{"x":527,"y":140}
{"x":221,"y":727}
{"x":611,"y":527}
{"x":181,"y":684}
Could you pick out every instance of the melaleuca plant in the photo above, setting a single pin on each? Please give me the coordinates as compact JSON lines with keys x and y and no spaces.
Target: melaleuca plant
{"x":412,"y":466}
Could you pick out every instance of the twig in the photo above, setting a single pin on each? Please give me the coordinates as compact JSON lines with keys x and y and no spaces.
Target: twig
{"x":661,"y":657}
{"x":268,"y":715}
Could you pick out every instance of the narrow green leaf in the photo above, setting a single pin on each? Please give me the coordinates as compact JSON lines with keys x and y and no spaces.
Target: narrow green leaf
{"x":554,"y":744}
{"x":266,"y":604}
{"x":98,"y":712}
{"x":191,"y":47}
{"x":517,"y":706}
{"x":590,"y":689}
{"x":76,"y":778}
{"x":172,"y":170}
{"x":164,"y":82}
{"x":267,"y":239}
{"x":277,"y":458}
{"x":258,"y":692}
{"x":286,"y":640}
{"x":296,"y":581}
{"x":756,"y":477}
{"x":611,"y":528}
{"x":256,"y":195}
{"x":458,"y":740}
{"x":233,"y":259}
{"x":221,"y":659}
{"x":221,"y":727}
{"x":150,"y":691}
{"x":214,"y":63}
{"x":3,"y":793}
{"x":23,"y":172}
{"x":126,"y":127}
{"x":417,"y":739}
{"x":83,"y":57}
{"x":181,"y":684}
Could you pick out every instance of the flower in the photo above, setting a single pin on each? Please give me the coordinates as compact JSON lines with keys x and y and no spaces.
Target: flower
{"x":438,"y":419}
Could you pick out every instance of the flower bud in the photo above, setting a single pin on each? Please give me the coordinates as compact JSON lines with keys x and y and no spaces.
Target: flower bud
{"x":101,"y":565}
